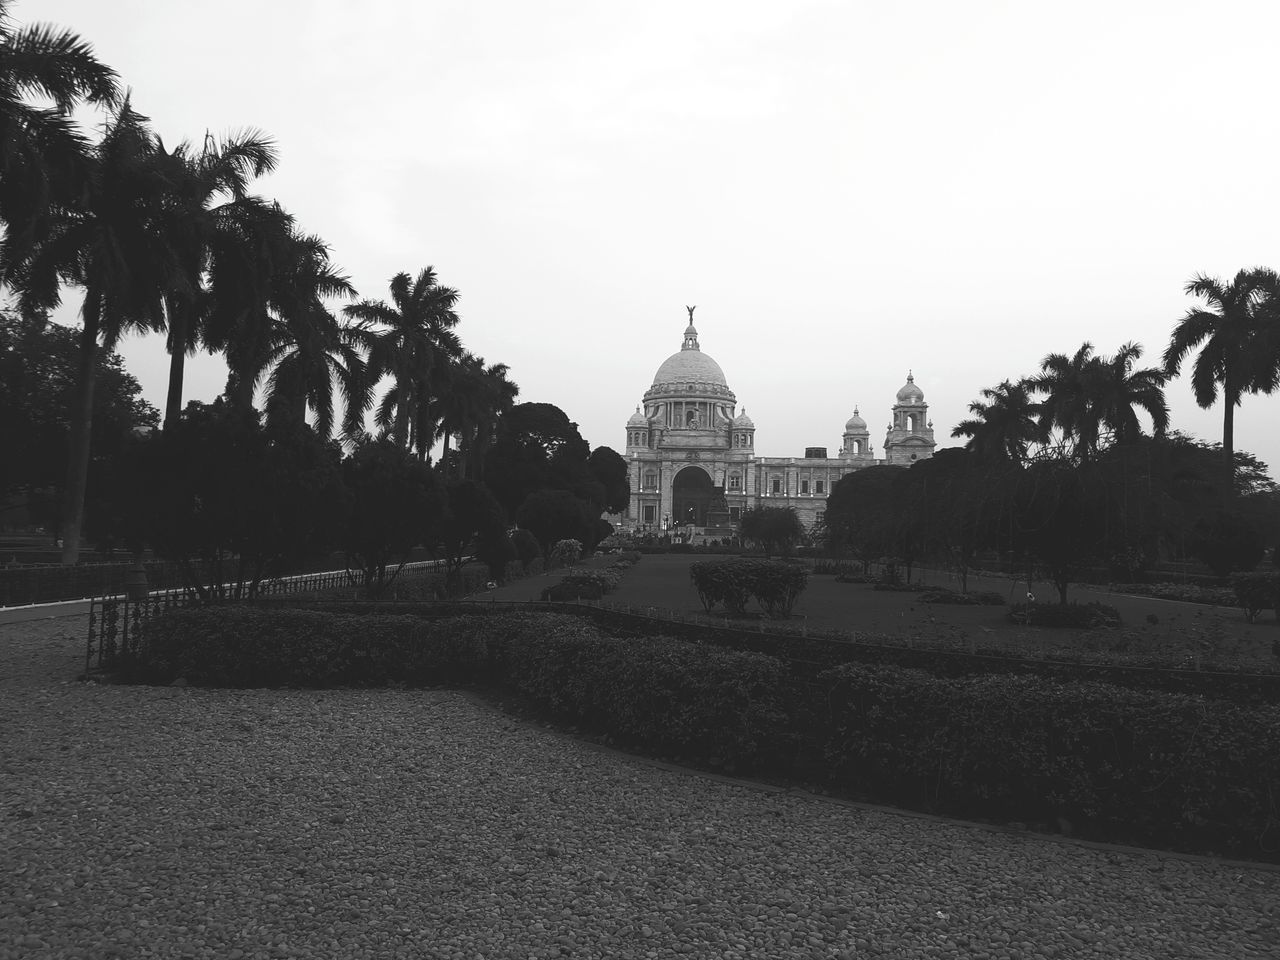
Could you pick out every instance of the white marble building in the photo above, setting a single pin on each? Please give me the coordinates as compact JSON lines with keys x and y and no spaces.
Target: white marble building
{"x":692,"y":453}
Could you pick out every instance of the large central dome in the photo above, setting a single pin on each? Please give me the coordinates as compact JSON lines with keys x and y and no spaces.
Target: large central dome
{"x":690,"y":365}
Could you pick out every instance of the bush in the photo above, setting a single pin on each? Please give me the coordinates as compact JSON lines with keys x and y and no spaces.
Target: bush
{"x":1031,"y":748}
{"x":1186,"y":592}
{"x":1079,"y":616}
{"x":774,"y":584}
{"x":565,"y":553}
{"x":855,"y":578}
{"x":897,"y":586}
{"x":238,"y":646}
{"x":668,"y":696}
{"x":571,"y":591}
{"x":1257,"y":592}
{"x":527,"y":549}
{"x":977,"y":598}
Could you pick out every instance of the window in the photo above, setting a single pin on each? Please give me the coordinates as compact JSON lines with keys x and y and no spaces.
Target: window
{"x":650,"y":514}
{"x":651,"y":481}
{"x":819,"y":486}
{"x":735,"y":513}
{"x":735,"y":482}
{"x":821,"y":516}
{"x":777,"y":485}
{"x":804,"y":486}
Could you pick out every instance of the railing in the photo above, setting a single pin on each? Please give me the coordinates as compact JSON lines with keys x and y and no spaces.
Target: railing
{"x":114,"y":621}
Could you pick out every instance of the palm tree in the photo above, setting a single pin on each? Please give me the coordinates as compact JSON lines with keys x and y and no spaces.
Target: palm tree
{"x":1005,"y":425}
{"x":207,"y":236}
{"x":106,"y":243}
{"x":309,"y":351}
{"x":43,"y":155}
{"x":1240,"y":348}
{"x":1116,"y":389}
{"x":410,"y":341}
{"x":1066,"y":383}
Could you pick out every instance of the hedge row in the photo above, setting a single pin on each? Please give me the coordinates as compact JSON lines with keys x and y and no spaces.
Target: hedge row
{"x":661,"y":694}
{"x":1079,"y":616}
{"x":1155,"y":766}
{"x":1125,"y":764}
{"x":590,"y":584}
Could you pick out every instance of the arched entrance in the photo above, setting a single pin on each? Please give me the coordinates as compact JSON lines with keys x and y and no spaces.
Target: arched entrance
{"x":691,"y":493}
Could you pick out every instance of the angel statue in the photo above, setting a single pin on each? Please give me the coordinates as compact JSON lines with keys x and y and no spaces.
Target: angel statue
{"x":691,"y":309}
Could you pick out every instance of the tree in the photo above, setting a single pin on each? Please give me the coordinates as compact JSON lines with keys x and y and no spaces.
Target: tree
{"x":553,"y":515}
{"x":537,"y":448}
{"x":1239,"y":347}
{"x":610,"y":470}
{"x":1006,"y":425}
{"x":775,"y":529}
{"x":394,"y":503}
{"x":107,"y":244}
{"x":308,"y":351}
{"x":232,"y":502}
{"x":42,"y":154}
{"x":861,"y":515}
{"x":38,"y":365}
{"x":410,"y":341}
{"x":1118,"y":391}
{"x":207,"y":223}
{"x":472,"y":522}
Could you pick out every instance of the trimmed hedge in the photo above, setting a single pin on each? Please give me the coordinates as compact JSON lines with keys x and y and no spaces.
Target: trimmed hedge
{"x":1185,"y":592}
{"x":1128,"y":764}
{"x":978,"y":598}
{"x":774,"y":584}
{"x":661,"y":694}
{"x":241,"y":646}
{"x":1163,"y":767}
{"x":1079,"y":616}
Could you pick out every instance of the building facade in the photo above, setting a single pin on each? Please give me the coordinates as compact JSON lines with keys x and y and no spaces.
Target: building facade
{"x":692,"y":455}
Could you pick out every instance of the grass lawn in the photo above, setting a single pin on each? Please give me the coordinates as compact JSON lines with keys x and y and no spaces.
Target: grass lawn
{"x":1175,"y":632}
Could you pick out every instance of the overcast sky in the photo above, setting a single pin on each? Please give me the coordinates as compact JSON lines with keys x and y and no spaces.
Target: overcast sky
{"x":846,"y":190}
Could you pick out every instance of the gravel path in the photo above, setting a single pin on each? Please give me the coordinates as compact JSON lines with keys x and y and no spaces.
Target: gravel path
{"x":165,"y":822}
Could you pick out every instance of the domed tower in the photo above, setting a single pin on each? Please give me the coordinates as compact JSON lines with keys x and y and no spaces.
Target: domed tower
{"x":910,"y":435}
{"x":689,"y":391}
{"x":637,"y":431}
{"x":855,"y":444}
{"x":742,"y":430}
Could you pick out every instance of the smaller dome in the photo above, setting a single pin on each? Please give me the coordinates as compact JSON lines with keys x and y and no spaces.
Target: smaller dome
{"x":855,"y":424}
{"x":743,"y":421}
{"x":910,"y":392}
{"x":637,"y":419}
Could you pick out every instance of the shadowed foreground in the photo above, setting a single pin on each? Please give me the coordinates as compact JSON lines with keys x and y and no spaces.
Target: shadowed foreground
{"x":383,"y":823}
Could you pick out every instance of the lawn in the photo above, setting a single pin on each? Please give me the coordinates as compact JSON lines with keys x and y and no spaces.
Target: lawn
{"x":1179,"y":634}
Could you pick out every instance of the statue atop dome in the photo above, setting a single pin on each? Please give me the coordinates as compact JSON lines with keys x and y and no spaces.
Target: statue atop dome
{"x":691,"y":309}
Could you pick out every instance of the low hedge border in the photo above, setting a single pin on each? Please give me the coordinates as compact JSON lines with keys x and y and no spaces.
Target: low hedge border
{"x":1154,"y":767}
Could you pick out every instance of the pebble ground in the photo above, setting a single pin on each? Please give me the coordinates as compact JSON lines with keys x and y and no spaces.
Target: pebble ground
{"x":171,"y":822}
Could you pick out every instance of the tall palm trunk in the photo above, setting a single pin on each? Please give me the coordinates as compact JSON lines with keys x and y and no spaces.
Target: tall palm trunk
{"x":81,"y":427}
{"x":1228,"y":447}
{"x":177,"y":367}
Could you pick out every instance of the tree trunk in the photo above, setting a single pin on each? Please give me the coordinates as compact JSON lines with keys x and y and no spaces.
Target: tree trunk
{"x":81,"y":427}
{"x":177,"y":367}
{"x":1228,"y":450}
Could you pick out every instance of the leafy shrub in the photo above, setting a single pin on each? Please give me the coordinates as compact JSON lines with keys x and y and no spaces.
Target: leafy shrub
{"x":237,"y":646}
{"x":836,"y":568}
{"x":855,"y":578}
{"x":1186,"y":592}
{"x":897,"y":586}
{"x":976,"y":598}
{"x":667,"y":695}
{"x":565,"y":553}
{"x":774,"y":584}
{"x":527,"y":548}
{"x":606,"y":580}
{"x":571,"y":590}
{"x":1257,"y":592}
{"x":1034,"y":748}
{"x":1080,"y":616}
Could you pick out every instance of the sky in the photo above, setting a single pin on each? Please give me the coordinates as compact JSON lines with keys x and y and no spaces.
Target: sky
{"x":845,"y":190}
